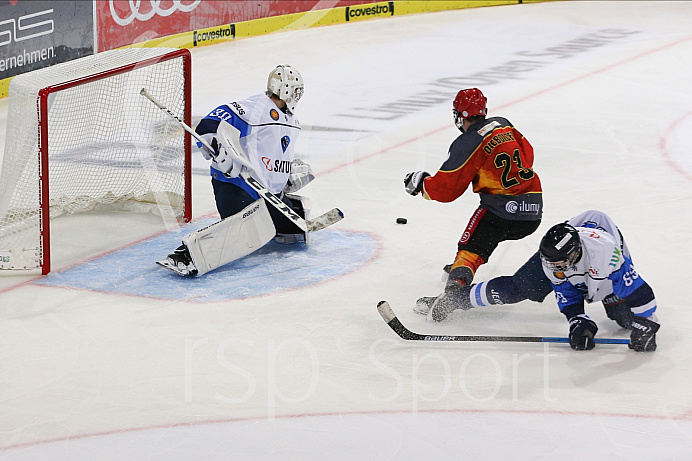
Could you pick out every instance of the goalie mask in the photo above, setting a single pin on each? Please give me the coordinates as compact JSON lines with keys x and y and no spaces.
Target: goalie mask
{"x":286,"y":83}
{"x":560,"y":247}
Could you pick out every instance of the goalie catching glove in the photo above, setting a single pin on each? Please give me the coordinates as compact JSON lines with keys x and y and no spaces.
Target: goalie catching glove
{"x":301,"y":175}
{"x":413,"y":182}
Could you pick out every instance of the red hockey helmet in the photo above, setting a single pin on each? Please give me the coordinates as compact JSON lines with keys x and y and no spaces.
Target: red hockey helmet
{"x":468,"y":102}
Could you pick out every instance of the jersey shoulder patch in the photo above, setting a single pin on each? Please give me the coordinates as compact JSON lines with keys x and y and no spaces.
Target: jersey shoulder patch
{"x":237,"y":108}
{"x":488,"y":128}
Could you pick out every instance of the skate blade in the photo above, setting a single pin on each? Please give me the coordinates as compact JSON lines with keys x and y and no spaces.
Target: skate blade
{"x":173,"y":268}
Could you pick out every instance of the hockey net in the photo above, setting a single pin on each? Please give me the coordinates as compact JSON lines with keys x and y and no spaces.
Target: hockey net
{"x":80,"y":137}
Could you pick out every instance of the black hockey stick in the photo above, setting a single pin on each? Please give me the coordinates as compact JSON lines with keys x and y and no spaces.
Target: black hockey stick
{"x":311,"y":225}
{"x":389,"y":316}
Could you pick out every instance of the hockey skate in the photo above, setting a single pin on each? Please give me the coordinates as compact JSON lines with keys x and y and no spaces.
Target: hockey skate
{"x":424,"y":304}
{"x":443,"y":305}
{"x":180,"y":262}
{"x":454,"y":297}
{"x":456,"y":294}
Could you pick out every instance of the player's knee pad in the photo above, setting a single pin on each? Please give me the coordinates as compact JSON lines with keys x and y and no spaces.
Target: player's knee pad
{"x":302,"y":206}
{"x":231,"y":238}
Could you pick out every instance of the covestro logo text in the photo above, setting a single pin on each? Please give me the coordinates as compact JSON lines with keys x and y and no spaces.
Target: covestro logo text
{"x":223,"y":32}
{"x":364,"y":12}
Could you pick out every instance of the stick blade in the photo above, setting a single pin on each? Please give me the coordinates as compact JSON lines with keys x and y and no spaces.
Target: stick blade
{"x":385,"y":311}
{"x":325,"y":220}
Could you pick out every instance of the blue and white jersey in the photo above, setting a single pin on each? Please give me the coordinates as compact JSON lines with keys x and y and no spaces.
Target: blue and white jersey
{"x":598,"y":220}
{"x":267,"y":136}
{"x":605,"y":267}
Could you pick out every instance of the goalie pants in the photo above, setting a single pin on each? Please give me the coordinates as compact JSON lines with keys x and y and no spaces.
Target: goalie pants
{"x":231,"y":199}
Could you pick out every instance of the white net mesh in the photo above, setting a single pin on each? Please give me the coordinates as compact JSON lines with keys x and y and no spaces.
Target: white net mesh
{"x":108,"y":146}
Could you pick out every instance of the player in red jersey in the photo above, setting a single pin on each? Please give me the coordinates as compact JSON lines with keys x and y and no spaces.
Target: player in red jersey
{"x":497,"y":159}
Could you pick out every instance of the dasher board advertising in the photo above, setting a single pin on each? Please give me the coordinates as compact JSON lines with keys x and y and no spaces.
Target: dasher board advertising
{"x":37,"y":34}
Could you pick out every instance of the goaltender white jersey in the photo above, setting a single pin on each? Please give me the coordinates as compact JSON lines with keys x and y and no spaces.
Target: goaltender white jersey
{"x":267,"y":136}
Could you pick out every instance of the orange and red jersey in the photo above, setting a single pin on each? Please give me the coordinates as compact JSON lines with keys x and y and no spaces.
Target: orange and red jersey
{"x":497,"y":159}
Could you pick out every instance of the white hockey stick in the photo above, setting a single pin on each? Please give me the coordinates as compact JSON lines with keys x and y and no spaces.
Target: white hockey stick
{"x":333,"y":215}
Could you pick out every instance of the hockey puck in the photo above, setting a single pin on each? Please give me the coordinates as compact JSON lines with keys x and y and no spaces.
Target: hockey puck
{"x":401,"y":220}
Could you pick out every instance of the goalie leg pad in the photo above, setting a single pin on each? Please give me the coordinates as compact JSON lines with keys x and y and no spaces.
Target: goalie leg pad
{"x":231,"y":238}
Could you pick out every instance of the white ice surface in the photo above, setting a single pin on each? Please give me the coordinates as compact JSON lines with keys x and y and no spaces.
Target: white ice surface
{"x":314,"y":373}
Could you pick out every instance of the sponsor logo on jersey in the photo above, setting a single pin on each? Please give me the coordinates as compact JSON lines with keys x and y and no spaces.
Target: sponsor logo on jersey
{"x":277,"y":166}
{"x":593,"y":225}
{"x":615,"y":257}
{"x":593,"y":271}
{"x":560,"y":275}
{"x":471,"y":227}
{"x":274,"y":114}
{"x":224,"y":32}
{"x":282,"y":166}
{"x":285,"y":141}
{"x":362,"y":12}
{"x":238,"y":108}
{"x":523,"y":207}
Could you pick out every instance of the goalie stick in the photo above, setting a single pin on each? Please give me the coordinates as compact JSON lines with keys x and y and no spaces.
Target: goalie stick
{"x":327,"y":219}
{"x":390,"y":317}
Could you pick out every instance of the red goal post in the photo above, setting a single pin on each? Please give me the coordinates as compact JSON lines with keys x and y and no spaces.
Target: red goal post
{"x":81,"y":138}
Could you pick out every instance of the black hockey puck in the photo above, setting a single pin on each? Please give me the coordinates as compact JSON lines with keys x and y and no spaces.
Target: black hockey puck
{"x":401,"y":220}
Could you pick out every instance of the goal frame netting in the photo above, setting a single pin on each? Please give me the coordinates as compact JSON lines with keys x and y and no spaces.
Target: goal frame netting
{"x":43,"y":101}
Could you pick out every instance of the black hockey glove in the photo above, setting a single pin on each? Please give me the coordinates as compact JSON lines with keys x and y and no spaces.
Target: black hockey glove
{"x":414,"y":181}
{"x":581,"y":332}
{"x":643,"y":336}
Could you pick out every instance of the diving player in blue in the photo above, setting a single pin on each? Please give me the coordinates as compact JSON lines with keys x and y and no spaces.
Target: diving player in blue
{"x":584,"y":259}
